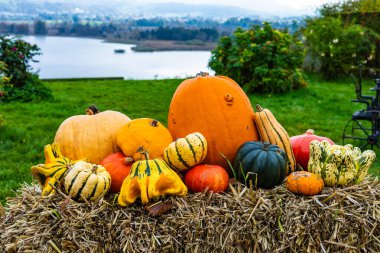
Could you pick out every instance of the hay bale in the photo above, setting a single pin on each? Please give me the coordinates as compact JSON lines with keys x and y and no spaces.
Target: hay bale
{"x":240,"y":220}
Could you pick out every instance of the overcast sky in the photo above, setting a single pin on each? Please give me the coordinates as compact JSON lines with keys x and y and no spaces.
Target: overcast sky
{"x":272,"y":6}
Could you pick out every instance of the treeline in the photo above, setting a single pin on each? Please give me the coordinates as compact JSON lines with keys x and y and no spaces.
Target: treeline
{"x":179,"y":33}
{"x":206,"y":30}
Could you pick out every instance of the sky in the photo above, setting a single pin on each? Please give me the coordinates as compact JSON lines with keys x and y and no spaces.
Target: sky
{"x":270,"y":6}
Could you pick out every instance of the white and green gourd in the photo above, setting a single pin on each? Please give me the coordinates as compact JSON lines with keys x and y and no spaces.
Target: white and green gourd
{"x":87,"y":182}
{"x":339,"y":165}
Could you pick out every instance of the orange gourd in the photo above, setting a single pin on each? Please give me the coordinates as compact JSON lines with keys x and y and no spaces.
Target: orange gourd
{"x":90,"y":136}
{"x":211,"y":177}
{"x":304,"y":183}
{"x":143,"y":134}
{"x":119,"y":167}
{"x":217,"y":107}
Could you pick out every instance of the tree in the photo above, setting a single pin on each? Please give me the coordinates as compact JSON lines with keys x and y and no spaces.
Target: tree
{"x":23,"y":85}
{"x":260,"y":59}
{"x":39,"y":27}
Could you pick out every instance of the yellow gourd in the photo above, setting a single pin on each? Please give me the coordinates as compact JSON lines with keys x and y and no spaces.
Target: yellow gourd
{"x":186,"y":152}
{"x":52,"y":172}
{"x":150,"y":179}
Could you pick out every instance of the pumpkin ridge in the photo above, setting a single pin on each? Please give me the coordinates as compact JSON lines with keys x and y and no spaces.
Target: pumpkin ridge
{"x":147,"y":169}
{"x":267,"y":136}
{"x":203,"y":146}
{"x":192,"y":150}
{"x":81,"y":189}
{"x":169,"y":160}
{"x":158,"y":167}
{"x":284,"y":146}
{"x":136,"y":170}
{"x":180,"y":157}
{"x":93,"y":191}
{"x":72,"y":182}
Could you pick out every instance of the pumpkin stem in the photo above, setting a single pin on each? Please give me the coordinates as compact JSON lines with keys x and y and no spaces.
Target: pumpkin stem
{"x":94,"y":169}
{"x":154,"y":123}
{"x":202,"y":74}
{"x":128,"y":160}
{"x":310,"y":131}
{"x":266,"y":146}
{"x":92,"y":110}
{"x":259,"y":108}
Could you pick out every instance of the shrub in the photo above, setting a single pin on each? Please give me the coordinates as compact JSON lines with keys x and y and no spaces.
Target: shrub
{"x":22,"y":84}
{"x":260,"y":59}
{"x":333,"y":49}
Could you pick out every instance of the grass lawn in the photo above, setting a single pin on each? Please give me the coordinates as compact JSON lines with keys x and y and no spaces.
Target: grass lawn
{"x":323,"y":106}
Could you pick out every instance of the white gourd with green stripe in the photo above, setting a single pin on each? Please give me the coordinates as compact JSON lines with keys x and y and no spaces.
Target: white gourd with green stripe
{"x":339,"y":165}
{"x":186,"y":152}
{"x":87,"y":181}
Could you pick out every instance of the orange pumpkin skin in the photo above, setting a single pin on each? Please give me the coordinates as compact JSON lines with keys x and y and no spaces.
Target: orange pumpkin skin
{"x":92,"y":136}
{"x":119,"y":167}
{"x":146,"y":135}
{"x":211,"y":177}
{"x":304,"y":183}
{"x":217,"y":107}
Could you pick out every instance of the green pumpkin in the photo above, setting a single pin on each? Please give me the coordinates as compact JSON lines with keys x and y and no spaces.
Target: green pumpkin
{"x":262,"y":163}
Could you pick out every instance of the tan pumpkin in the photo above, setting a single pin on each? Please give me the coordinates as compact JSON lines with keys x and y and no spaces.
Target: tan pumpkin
{"x":217,"y":107}
{"x":186,"y":152}
{"x":91,"y":136}
{"x":143,"y":134}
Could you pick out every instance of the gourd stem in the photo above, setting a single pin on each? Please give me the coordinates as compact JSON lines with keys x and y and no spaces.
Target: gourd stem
{"x":266,"y":146}
{"x":92,"y":110}
{"x":142,"y":151}
{"x":94,"y":169}
{"x":310,"y":131}
{"x":202,"y":74}
{"x":259,"y":108}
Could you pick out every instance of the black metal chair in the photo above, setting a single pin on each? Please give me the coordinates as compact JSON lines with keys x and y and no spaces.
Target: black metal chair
{"x":363,"y":128}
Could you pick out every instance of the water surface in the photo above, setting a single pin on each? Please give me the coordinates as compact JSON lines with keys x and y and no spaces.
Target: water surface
{"x":71,"y":57}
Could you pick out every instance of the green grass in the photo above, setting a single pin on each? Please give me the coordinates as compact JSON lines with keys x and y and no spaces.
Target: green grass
{"x":323,"y":106}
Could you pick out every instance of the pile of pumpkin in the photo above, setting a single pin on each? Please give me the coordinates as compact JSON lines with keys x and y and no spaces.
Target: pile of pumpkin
{"x":212,"y":135}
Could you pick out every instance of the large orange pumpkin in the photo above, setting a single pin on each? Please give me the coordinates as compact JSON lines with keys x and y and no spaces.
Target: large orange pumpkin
{"x":217,"y":107}
{"x":91,"y":136}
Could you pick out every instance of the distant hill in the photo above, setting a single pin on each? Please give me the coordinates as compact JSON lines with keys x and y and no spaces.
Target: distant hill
{"x":122,"y":9}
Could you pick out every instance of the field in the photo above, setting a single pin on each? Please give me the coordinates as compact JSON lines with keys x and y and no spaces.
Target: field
{"x":27,"y":127}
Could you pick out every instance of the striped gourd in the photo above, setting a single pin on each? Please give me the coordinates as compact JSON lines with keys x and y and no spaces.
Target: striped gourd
{"x":186,"y":152}
{"x":150,"y":179}
{"x":339,"y":165}
{"x":87,"y":181}
{"x":50,"y":174}
{"x":271,"y":131}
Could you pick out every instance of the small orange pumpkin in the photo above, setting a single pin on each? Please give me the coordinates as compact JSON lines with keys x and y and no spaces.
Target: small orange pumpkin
{"x":143,"y":134}
{"x":119,"y":167}
{"x":211,"y":177}
{"x":304,"y":183}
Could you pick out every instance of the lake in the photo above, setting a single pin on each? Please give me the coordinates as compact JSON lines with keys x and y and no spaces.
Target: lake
{"x":71,"y":57}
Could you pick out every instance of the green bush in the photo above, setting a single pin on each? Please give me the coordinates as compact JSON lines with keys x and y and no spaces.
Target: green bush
{"x":22,"y":84}
{"x":260,"y":59}
{"x":334,"y":49}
